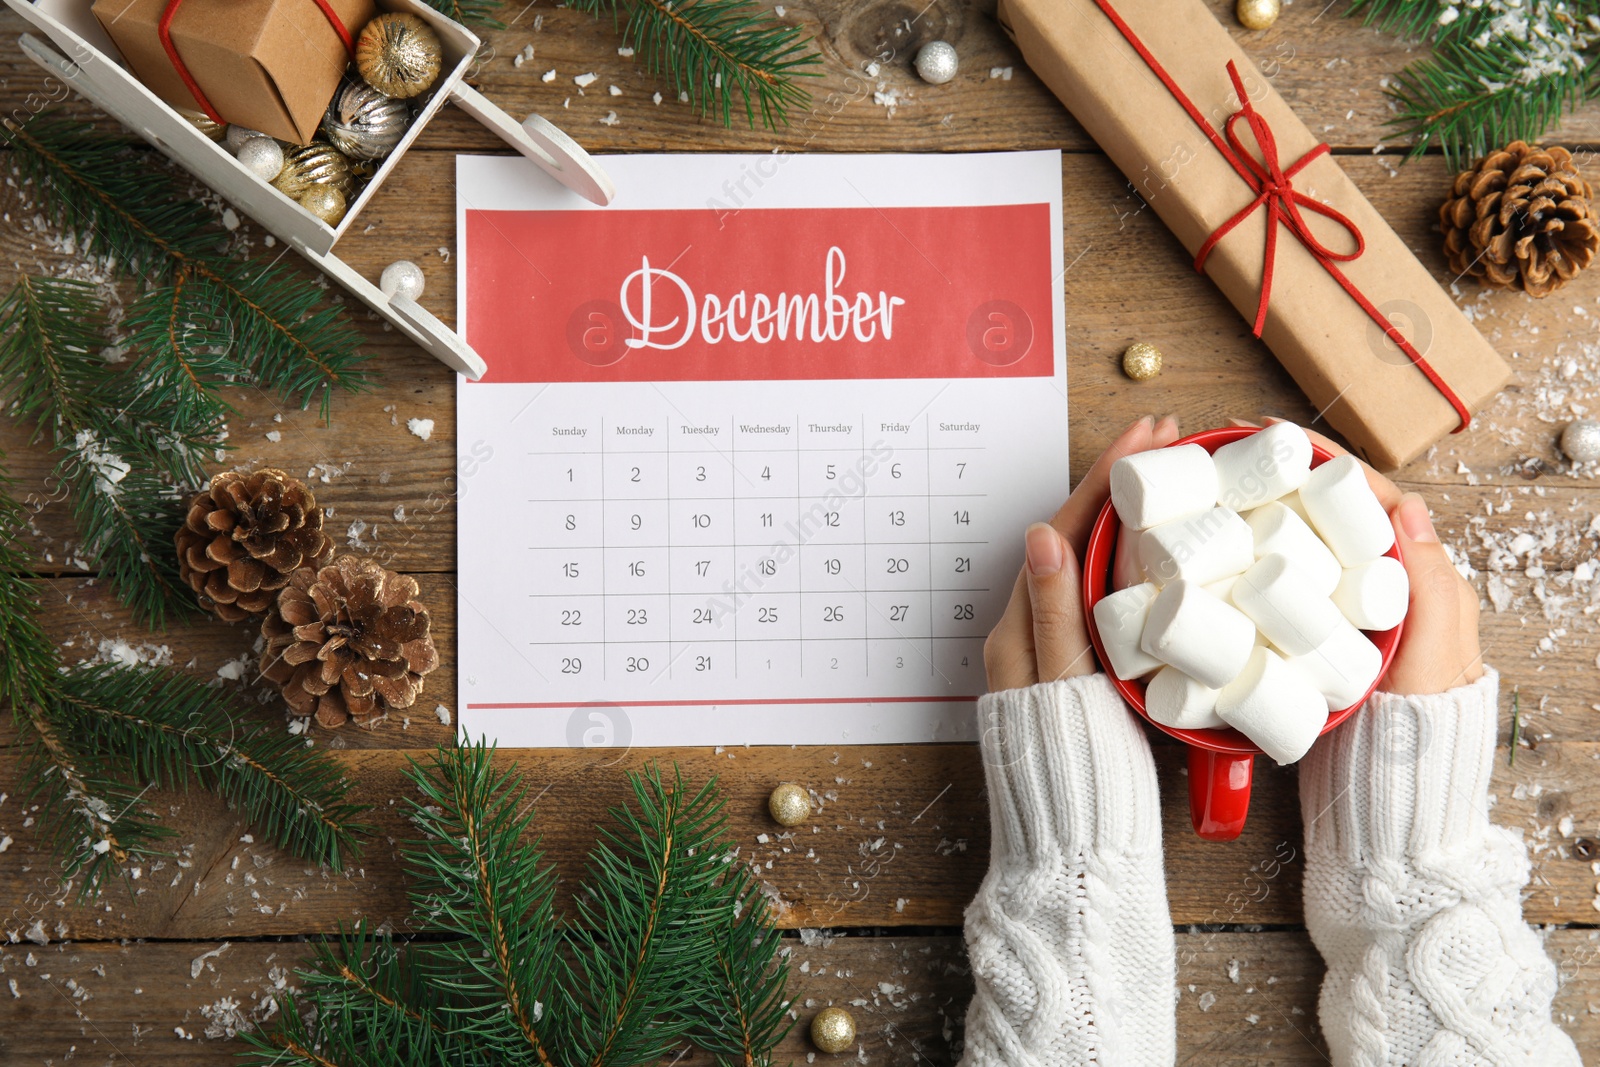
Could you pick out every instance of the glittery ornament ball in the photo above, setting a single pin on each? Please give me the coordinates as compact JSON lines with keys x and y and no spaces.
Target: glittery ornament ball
{"x":204,"y":123}
{"x":1581,"y":441}
{"x":317,"y":163}
{"x":789,"y":804}
{"x":1141,"y":361}
{"x":398,"y":55}
{"x":325,"y":202}
{"x":937,"y":62}
{"x":833,"y":1030}
{"x":363,"y":123}
{"x":403,"y":279}
{"x":1258,"y":14}
{"x":236,"y":136}
{"x":261,"y":156}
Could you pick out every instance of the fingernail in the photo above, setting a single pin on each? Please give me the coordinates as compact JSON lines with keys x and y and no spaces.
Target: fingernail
{"x":1414,"y":519}
{"x":1044,"y":547}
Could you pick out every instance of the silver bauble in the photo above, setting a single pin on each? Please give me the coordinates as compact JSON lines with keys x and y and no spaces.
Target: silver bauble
{"x":261,"y":156}
{"x":936,"y":62}
{"x":403,"y":279}
{"x":1581,"y":441}
{"x":363,"y":123}
{"x":238,"y":135}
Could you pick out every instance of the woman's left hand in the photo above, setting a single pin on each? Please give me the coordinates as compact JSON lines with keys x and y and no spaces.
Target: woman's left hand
{"x":1042,"y":636}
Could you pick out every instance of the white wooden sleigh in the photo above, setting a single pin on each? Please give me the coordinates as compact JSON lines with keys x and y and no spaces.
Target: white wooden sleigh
{"x":79,"y":53}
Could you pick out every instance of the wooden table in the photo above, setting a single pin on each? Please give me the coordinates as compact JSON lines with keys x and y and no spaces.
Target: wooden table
{"x":876,"y":891}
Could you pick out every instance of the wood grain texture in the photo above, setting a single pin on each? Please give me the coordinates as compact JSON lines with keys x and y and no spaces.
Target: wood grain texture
{"x":1244,"y":998}
{"x":900,"y":838}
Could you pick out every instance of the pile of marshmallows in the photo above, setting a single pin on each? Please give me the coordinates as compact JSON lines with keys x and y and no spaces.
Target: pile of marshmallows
{"x":1259,"y":576}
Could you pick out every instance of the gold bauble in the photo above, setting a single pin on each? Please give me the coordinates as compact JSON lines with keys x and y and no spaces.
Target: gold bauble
{"x":1258,"y":14}
{"x":203,"y":122}
{"x":317,"y":163}
{"x":1141,"y":361}
{"x":325,"y":202}
{"x":398,"y":55}
{"x":833,"y":1030}
{"x":789,"y":804}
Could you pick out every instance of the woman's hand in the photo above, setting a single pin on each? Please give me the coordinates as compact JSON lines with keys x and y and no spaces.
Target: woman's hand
{"x":1042,"y":636}
{"x":1439,"y":647}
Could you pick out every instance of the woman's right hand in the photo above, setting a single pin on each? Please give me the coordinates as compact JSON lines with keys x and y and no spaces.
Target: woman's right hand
{"x":1439,"y":647}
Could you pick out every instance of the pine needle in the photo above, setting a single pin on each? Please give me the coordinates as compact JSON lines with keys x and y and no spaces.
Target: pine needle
{"x":670,"y":941}
{"x":479,"y":13}
{"x":718,"y":52}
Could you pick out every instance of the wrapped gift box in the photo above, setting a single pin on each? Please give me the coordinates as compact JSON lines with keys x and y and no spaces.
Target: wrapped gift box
{"x":269,"y":65}
{"x":1379,"y":396}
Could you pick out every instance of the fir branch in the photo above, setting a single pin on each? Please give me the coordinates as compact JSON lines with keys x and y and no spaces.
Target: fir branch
{"x":478,"y":13}
{"x":160,"y":236}
{"x":181,"y":736}
{"x":475,"y":878}
{"x":716,"y":51}
{"x":1500,"y":70}
{"x":669,"y":939}
{"x":27,"y":655}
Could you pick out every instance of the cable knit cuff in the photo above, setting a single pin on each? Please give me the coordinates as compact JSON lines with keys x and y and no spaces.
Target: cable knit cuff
{"x":1068,"y":769}
{"x":1407,"y":776}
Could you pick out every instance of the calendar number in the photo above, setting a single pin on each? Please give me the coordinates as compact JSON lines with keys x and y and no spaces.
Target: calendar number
{"x":637,"y":664}
{"x":963,"y":517}
{"x":833,"y":613}
{"x":636,"y":521}
{"x":571,"y":665}
{"x":569,"y":474}
{"x":571,"y":617}
{"x":702,"y":567}
{"x":894,"y":470}
{"x":639,"y":617}
{"x":961,"y":470}
{"x":832,"y":566}
{"x":702,"y":615}
{"x":767,"y":615}
{"x":702,"y":663}
{"x":831,"y":475}
{"x":768,"y":567}
{"x":831,"y":518}
{"x":570,"y":570}
{"x":963,"y":564}
{"x":897,"y":565}
{"x":702,"y":521}
{"x":636,"y":568}
{"x":699,"y":474}
{"x":766,"y":518}
{"x":634,"y":477}
{"x":963,"y":612}
{"x":897,"y":612}
{"x":572,"y":522}
{"x":766,"y":474}
{"x":897,"y":518}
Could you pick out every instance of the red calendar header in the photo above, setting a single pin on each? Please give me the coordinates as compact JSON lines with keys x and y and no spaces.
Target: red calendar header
{"x":761,"y":294}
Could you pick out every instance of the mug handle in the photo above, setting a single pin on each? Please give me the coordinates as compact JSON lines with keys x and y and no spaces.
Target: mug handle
{"x":1219,"y":792}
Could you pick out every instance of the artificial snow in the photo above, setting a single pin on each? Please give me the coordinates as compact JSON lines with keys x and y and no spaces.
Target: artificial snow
{"x":422,"y":428}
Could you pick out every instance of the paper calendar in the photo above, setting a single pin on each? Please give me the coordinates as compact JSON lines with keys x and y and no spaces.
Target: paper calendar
{"x":757,"y":444}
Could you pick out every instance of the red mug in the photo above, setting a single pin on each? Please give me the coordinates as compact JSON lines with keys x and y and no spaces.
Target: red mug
{"x":1220,"y":761}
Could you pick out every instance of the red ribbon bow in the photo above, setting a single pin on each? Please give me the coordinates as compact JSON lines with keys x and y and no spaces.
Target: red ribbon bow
{"x":1274,"y":188}
{"x":164,"y":32}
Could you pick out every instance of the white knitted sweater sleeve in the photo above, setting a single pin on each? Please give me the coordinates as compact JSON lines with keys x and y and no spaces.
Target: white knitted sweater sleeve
{"x":1412,"y":895}
{"x":1070,"y":938}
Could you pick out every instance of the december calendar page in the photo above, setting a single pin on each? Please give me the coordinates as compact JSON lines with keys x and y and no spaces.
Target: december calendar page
{"x":757,"y":444}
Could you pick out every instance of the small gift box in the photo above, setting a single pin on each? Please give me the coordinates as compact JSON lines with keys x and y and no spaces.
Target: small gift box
{"x":268,"y":65}
{"x":1379,"y":348}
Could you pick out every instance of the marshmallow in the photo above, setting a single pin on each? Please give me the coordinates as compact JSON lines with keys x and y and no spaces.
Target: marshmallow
{"x":1150,"y":488}
{"x":1293,"y":502}
{"x":1262,"y":467}
{"x":1125,"y":567}
{"x":1174,"y":699}
{"x":1195,"y":632}
{"x":1222,"y":588}
{"x":1346,"y":513}
{"x":1120,"y":620}
{"x":1201,"y":548}
{"x":1374,"y":595}
{"x":1274,"y":705}
{"x":1277,"y":529}
{"x":1279,"y":599}
{"x":1343,"y":668}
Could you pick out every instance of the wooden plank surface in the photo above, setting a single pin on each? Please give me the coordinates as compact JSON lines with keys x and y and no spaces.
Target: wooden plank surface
{"x":900,"y":841}
{"x":1244,"y":998}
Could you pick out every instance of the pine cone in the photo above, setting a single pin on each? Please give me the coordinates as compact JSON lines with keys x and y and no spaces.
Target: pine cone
{"x":348,"y":641}
{"x":1521,"y":220}
{"x":244,"y":536}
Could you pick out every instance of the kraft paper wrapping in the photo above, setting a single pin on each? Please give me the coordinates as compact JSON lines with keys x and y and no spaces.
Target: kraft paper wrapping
{"x":1366,"y":387}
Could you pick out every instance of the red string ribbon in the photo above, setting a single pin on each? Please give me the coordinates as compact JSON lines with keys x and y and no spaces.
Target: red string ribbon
{"x":1273,"y":186}
{"x":164,"y":31}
